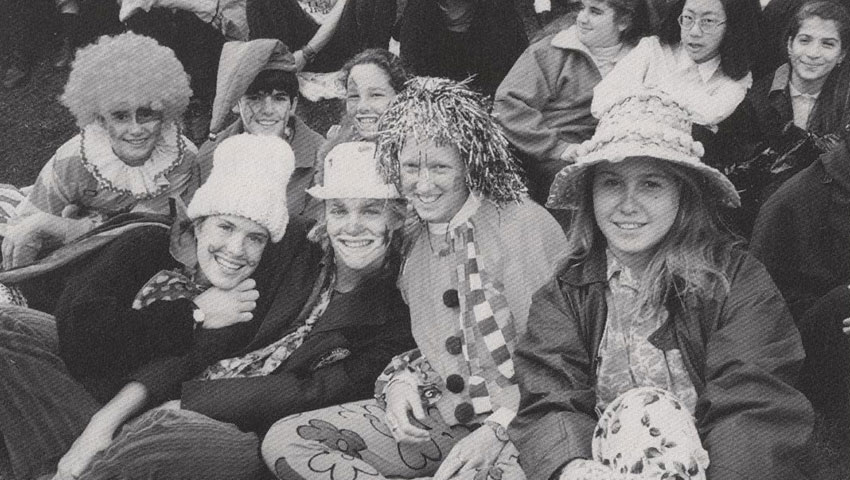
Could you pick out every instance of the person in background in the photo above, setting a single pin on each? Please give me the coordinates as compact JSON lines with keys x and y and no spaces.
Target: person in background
{"x":372,"y":80}
{"x":702,"y":57}
{"x":323,"y":34}
{"x":543,"y":104}
{"x":127,"y":94}
{"x":458,"y":38}
{"x":788,"y":119}
{"x":660,"y":348}
{"x":257,"y":81}
{"x":801,"y":234}
{"x":479,"y":252}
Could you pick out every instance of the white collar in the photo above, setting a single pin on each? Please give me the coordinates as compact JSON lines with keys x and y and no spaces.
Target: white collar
{"x":792,"y":90}
{"x":144,"y":181}
{"x":568,"y":40}
{"x":470,"y":206}
{"x":705,"y":69}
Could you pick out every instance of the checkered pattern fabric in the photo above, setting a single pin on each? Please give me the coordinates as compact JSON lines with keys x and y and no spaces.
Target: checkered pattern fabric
{"x":485,"y":316}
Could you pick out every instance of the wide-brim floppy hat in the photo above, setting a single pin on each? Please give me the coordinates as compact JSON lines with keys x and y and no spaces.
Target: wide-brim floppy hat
{"x":646,"y":124}
{"x":351,"y":171}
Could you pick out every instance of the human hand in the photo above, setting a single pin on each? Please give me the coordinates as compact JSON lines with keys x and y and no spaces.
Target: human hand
{"x":94,"y":439}
{"x":300,"y":60}
{"x":569,"y":154}
{"x":223,"y":308}
{"x":477,"y":450}
{"x":403,"y":398}
{"x":22,"y":240}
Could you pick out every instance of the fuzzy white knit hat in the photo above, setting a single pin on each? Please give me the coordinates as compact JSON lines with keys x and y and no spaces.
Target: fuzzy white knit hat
{"x":351,"y":171}
{"x":248,"y":179}
{"x":647,"y":124}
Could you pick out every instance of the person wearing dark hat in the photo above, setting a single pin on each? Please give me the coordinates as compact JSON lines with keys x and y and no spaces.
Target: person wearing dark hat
{"x":802,"y":234}
{"x":478,"y":252}
{"x":257,"y":81}
{"x":660,"y":348}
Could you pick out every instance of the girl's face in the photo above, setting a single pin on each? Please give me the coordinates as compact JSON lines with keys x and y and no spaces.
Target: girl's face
{"x":369,"y":93}
{"x":635,"y":203}
{"x":133,"y":131}
{"x":813,"y":53}
{"x":359,"y":231}
{"x":709,"y":14}
{"x":229,"y":249}
{"x":433,"y":179}
{"x":597,"y":24}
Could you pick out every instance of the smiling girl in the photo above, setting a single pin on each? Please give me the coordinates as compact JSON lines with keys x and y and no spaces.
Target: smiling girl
{"x":804,"y":97}
{"x":660,"y":349}
{"x":543,"y":104}
{"x":702,"y":57}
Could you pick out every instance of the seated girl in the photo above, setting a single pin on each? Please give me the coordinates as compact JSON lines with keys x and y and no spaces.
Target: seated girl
{"x":701,"y":57}
{"x":480,"y":251}
{"x":543,"y":104}
{"x":792,"y":116}
{"x":127,"y":94}
{"x":661,"y":349}
{"x":240,"y":330}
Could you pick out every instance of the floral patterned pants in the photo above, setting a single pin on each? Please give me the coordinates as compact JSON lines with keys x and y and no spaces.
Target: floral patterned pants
{"x":646,"y":434}
{"x":353,"y":442}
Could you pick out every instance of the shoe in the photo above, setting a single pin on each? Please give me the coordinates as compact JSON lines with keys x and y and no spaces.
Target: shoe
{"x":15,"y":77}
{"x":66,"y":54}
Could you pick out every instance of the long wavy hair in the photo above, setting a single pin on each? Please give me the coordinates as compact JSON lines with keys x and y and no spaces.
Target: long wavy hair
{"x":691,"y":258}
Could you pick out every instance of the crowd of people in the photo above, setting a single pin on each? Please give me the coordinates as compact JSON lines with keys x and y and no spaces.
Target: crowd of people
{"x":621,"y":251}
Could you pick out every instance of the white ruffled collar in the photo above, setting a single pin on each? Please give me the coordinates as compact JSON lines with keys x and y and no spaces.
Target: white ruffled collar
{"x":144,"y":181}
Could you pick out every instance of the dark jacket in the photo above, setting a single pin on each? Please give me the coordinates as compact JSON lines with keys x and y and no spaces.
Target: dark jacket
{"x":494,"y":41}
{"x":741,"y":350}
{"x":802,"y":234}
{"x":338,"y":362}
{"x":102,"y":337}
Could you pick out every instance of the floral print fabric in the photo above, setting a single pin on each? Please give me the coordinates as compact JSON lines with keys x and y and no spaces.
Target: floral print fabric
{"x":626,"y":357}
{"x":644,"y":434}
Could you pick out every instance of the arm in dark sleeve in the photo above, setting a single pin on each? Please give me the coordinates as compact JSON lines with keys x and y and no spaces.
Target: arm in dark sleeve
{"x":752,"y":420}
{"x":255,"y":403}
{"x":556,"y":418}
{"x":99,"y":331}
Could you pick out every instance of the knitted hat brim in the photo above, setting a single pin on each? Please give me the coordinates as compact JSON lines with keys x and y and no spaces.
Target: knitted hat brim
{"x":565,"y":190}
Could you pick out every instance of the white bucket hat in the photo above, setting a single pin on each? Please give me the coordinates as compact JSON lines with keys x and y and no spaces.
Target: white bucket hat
{"x":351,"y":171}
{"x":647,"y":124}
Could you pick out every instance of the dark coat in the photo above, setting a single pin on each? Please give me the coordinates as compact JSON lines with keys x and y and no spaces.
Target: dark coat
{"x":338,"y":362}
{"x":741,"y":350}
{"x":802,"y":234}
{"x":494,"y":41}
{"x":103,"y":339}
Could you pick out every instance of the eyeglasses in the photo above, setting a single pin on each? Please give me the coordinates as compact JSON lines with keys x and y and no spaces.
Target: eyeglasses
{"x":707,"y":25}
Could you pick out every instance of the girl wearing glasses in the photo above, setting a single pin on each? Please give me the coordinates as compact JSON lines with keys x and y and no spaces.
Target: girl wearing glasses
{"x":702,"y":57}
{"x":544,"y":102}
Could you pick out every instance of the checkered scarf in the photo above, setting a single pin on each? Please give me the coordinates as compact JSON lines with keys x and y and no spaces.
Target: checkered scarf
{"x":484,"y":316}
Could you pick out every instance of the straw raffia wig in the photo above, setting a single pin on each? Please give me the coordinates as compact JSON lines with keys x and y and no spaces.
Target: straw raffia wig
{"x":126,"y":69}
{"x":448,"y":113}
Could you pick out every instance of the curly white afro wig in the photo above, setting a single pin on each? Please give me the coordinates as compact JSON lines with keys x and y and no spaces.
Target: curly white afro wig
{"x":126,"y":69}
